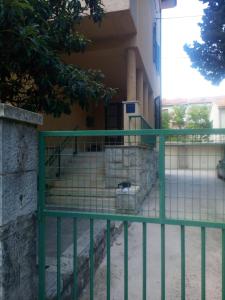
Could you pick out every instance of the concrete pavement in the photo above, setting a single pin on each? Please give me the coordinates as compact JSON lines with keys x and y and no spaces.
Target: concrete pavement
{"x":190,"y":195}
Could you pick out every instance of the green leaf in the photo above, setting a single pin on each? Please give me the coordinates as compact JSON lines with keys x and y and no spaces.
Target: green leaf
{"x":33,"y":35}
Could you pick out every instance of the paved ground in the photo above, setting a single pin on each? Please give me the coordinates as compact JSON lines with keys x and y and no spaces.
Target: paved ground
{"x":191,"y":195}
{"x":197,"y":195}
{"x":193,"y":259}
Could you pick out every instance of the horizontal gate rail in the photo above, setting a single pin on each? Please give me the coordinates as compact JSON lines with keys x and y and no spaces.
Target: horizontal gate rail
{"x":136,"y":219}
{"x":158,"y":132}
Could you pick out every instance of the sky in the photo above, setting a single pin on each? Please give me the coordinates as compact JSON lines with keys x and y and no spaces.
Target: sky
{"x":179,"y":80}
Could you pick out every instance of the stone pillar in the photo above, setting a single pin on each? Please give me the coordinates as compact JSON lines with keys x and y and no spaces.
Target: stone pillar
{"x":18,"y":202}
{"x":131,"y":75}
{"x":131,"y":85}
{"x":145,"y":107}
{"x":140,"y":90}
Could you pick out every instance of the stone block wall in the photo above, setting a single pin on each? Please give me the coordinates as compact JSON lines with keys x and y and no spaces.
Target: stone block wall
{"x":18,"y":202}
{"x":135,"y":164}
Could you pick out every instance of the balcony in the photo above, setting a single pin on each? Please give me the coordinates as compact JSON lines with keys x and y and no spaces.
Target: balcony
{"x":119,"y":21}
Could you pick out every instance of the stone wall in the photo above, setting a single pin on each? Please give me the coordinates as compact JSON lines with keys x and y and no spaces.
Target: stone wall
{"x":134,"y":164}
{"x":83,"y":262}
{"x":18,"y":202}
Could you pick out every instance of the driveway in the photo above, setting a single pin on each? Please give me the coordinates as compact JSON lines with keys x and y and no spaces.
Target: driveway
{"x":191,"y":195}
{"x":195,"y":195}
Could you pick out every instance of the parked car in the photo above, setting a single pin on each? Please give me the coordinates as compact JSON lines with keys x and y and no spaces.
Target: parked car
{"x":221,"y":169}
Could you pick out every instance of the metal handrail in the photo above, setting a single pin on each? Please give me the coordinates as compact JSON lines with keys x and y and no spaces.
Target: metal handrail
{"x":58,"y":150}
{"x":145,"y":140}
{"x":144,"y":123}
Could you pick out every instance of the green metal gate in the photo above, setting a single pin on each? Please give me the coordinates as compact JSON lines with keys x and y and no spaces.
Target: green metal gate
{"x":164,"y":177}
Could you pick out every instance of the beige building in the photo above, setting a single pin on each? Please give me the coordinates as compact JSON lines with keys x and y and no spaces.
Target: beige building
{"x":126,"y":48}
{"x":218,"y":112}
{"x":88,"y":171}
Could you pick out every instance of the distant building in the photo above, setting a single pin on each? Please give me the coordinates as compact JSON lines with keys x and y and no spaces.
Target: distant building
{"x":218,"y":112}
{"x":216,"y":104}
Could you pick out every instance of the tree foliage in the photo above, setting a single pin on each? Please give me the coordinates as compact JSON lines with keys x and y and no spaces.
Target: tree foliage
{"x":208,"y":56}
{"x":33,"y":36}
{"x":198,"y":116}
{"x":165,"y":119}
{"x":178,"y":116}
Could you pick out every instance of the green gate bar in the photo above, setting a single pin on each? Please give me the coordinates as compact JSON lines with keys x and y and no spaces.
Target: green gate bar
{"x":163,"y":262}
{"x":144,"y":254}
{"x":183,"y":263}
{"x":108,"y":276}
{"x":91,"y":259}
{"x":125,"y":260}
{"x":58,"y":258}
{"x":75,"y":292}
{"x":162,"y":176}
{"x":142,"y":132}
{"x":223,"y":263}
{"x":134,"y":219}
{"x":203,"y":263}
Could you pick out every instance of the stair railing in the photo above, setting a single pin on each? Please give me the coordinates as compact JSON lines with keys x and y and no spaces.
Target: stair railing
{"x":137,"y":122}
{"x":56,"y":155}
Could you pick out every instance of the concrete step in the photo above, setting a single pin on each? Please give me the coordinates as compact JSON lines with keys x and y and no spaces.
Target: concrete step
{"x":80,"y":170}
{"x":82,"y":192}
{"x":84,"y":166}
{"x":87,"y":162}
{"x":98,"y":154}
{"x":85,"y":159}
{"x":90,"y":157}
{"x":81,"y":164}
{"x":77,"y":181}
{"x":82,"y":202}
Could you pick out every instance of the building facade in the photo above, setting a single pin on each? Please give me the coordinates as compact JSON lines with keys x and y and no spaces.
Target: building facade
{"x":218,"y":112}
{"x":126,"y":48}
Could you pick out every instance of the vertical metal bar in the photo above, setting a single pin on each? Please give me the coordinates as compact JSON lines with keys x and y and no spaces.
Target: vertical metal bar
{"x":59,"y":161}
{"x":223,"y":264}
{"x":75,"y":259}
{"x":91,"y":259}
{"x":125,"y":260}
{"x":163,"y":282}
{"x":58,"y":258}
{"x":144,"y":291}
{"x":162,"y":210}
{"x":203,"y":263}
{"x":108,"y":258}
{"x":41,"y":219}
{"x":75,"y":145}
{"x":183,"y":265}
{"x":162,"y":175}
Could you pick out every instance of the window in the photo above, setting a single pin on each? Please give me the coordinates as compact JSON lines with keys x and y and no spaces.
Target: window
{"x":157,"y":113}
{"x":156,"y":49}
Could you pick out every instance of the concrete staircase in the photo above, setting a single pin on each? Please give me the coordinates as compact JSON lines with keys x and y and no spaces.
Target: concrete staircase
{"x":81,"y":184}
